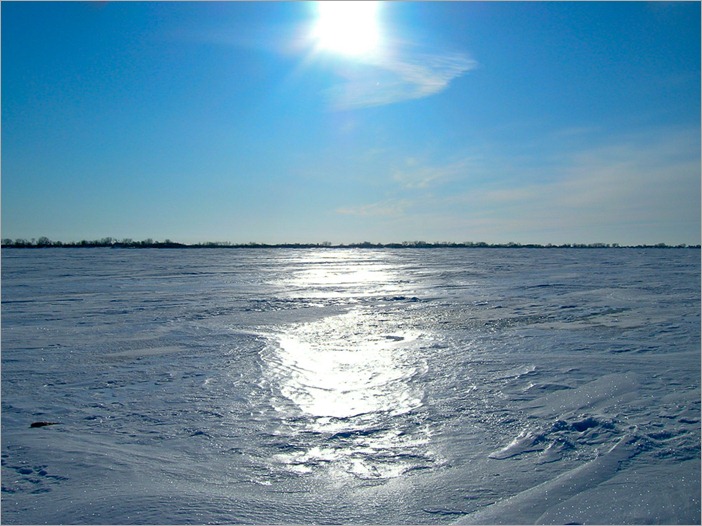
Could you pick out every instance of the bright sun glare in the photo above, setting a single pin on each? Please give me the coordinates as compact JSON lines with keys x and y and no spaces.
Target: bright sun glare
{"x":347,"y":27}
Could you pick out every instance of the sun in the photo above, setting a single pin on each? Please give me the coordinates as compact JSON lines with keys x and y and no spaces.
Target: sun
{"x":347,"y":27}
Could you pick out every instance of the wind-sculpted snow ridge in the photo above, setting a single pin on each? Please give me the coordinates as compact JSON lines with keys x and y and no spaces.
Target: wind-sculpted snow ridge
{"x":532,"y":505}
{"x":575,"y":418}
{"x":583,"y":415}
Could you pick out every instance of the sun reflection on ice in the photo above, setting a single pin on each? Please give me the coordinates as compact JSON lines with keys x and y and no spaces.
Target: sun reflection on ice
{"x":329,"y":372}
{"x":347,"y":388}
{"x":349,"y":397}
{"x":340,"y":274}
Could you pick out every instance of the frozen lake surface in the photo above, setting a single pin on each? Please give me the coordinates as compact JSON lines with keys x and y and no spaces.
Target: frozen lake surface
{"x":351,"y":386}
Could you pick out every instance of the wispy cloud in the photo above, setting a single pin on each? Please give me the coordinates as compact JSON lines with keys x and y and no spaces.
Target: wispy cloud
{"x":417,"y":174}
{"x":637,"y":189}
{"x":395,"y":73}
{"x":392,"y":78}
{"x":651,"y":180}
{"x":382,"y":208}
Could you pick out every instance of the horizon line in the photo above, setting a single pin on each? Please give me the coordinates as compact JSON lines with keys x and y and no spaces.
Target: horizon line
{"x":109,"y":242}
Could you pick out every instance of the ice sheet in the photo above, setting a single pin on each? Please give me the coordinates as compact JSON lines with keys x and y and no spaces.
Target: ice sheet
{"x":351,"y":386}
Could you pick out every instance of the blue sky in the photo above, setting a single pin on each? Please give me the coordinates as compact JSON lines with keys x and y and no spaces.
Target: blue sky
{"x":530,"y":122}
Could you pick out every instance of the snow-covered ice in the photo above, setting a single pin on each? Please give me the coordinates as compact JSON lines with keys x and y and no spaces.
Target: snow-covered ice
{"x":437,"y":386}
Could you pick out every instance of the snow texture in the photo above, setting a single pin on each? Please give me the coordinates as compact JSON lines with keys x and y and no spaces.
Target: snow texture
{"x":470,"y":386}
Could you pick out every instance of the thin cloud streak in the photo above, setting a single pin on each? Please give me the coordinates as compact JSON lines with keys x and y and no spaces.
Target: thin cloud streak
{"x":391,"y":79}
{"x":592,"y":195}
{"x":387,"y":76}
{"x":382,"y":208}
{"x":417,"y":175}
{"x":651,"y":181}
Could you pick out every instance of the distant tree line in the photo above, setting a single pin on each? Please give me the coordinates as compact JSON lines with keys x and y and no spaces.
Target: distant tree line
{"x":45,"y":242}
